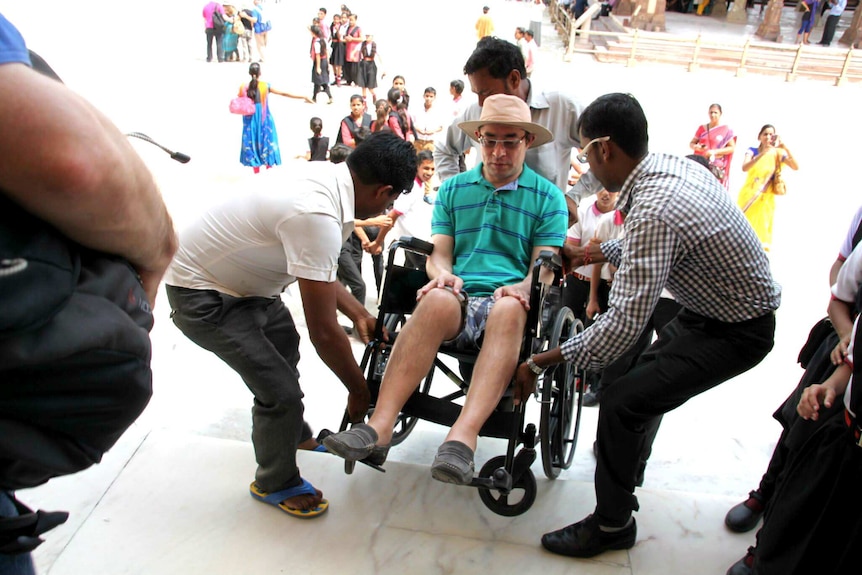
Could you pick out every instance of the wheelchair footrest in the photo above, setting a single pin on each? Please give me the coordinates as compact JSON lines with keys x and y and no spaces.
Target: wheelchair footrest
{"x":500,"y":480}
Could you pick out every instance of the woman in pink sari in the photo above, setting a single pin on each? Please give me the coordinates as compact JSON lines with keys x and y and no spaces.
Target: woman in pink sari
{"x":716,"y":143}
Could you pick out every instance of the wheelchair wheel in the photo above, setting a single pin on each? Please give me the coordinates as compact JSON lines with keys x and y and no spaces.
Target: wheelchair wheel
{"x":518,"y":500}
{"x":562,"y":401}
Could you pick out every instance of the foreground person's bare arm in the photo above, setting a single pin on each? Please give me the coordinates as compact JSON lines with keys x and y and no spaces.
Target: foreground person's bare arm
{"x":65,"y":162}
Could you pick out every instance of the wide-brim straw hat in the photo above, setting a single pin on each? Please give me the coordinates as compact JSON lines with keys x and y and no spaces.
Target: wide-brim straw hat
{"x":509,"y":111}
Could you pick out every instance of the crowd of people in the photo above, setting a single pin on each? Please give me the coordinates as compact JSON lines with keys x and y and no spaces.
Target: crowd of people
{"x":669,"y":272}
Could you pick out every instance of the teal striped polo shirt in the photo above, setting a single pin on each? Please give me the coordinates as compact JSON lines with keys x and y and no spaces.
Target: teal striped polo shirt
{"x":495,"y":230}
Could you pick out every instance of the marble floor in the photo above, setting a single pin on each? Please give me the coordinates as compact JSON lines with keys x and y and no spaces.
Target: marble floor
{"x":172,"y":495}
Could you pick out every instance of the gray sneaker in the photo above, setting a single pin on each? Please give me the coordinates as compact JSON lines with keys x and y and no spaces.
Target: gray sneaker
{"x":453,"y":463}
{"x":353,"y":444}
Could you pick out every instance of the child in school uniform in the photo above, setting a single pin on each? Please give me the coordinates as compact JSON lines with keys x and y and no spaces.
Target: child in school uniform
{"x":411,"y":213}
{"x":317,"y":145}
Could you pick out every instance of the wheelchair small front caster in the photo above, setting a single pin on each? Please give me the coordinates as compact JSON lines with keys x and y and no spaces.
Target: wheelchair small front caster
{"x":517,"y":499}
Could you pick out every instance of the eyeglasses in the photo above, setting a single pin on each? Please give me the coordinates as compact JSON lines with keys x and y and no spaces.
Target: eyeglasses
{"x":582,"y":157}
{"x":490,"y":144}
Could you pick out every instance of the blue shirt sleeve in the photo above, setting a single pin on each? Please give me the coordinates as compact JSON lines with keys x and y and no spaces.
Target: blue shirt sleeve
{"x":12,"y":46}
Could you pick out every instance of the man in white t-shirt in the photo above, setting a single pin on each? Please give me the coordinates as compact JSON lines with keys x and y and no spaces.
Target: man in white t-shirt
{"x":427,"y":121}
{"x":224,"y":289}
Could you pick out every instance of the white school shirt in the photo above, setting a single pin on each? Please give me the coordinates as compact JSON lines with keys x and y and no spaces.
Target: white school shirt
{"x":609,"y":227}
{"x":847,"y":246}
{"x":290,"y":225}
{"x":583,"y":230}
{"x":847,"y":284}
{"x":414,"y":214}
{"x":428,"y":121}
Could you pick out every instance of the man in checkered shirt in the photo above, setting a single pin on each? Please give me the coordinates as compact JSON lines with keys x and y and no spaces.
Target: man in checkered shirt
{"x":683,"y":233}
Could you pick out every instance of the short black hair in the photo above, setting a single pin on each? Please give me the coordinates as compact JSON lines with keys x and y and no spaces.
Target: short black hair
{"x":621,"y":117}
{"x":339,"y":152}
{"x":458,"y":85}
{"x":430,"y":90}
{"x":497,"y":56}
{"x":385,"y":159}
{"x":361,"y":134}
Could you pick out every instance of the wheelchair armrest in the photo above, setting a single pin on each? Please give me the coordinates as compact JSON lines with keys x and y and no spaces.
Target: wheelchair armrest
{"x":550,"y":260}
{"x":415,"y":245}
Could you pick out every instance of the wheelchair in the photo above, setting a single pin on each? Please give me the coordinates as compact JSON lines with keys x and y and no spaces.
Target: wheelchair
{"x":506,"y":483}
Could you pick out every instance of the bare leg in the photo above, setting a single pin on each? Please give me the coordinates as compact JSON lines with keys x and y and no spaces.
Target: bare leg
{"x":494,"y":368}
{"x":435,"y":320}
{"x":260,"y":40}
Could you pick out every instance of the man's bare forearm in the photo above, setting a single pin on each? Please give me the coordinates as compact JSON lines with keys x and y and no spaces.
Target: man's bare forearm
{"x":65,"y":162}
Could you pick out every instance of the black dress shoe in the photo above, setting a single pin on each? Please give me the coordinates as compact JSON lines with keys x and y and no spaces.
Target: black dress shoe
{"x":744,"y":566}
{"x":744,"y":516}
{"x":586,"y":539}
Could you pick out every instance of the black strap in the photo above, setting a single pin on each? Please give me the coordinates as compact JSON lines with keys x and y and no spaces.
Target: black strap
{"x":40,"y":65}
{"x":856,"y":388}
{"x":21,"y":534}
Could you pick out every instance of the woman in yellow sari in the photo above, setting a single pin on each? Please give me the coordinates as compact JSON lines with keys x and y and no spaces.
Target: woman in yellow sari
{"x":757,"y":196}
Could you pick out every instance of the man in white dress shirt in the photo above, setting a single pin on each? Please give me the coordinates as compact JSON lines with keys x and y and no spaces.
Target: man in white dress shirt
{"x":225,"y":282}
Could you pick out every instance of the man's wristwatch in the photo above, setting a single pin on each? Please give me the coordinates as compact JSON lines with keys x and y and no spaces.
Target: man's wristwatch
{"x":533,"y":367}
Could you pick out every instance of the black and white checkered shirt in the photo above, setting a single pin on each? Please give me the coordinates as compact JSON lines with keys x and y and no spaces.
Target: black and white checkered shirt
{"x":683,"y":233}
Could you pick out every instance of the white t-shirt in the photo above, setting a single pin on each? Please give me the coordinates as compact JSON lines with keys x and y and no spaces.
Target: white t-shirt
{"x":609,"y":227}
{"x":584,"y":229}
{"x":428,"y":121}
{"x":292,"y":225}
{"x":414,"y":214}
{"x":847,"y":246}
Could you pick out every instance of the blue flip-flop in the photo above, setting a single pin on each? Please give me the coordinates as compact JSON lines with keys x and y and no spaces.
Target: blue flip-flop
{"x":321,"y":448}
{"x":277,"y":499}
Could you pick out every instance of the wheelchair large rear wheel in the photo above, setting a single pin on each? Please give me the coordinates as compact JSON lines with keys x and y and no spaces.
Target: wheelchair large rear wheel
{"x":561,"y":402}
{"x":515,"y":502}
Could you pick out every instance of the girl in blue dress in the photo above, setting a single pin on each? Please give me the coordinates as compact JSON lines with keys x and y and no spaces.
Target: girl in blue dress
{"x":259,"y":137}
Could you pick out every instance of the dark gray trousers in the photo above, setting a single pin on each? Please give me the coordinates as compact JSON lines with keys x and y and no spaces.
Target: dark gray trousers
{"x":255,"y":336}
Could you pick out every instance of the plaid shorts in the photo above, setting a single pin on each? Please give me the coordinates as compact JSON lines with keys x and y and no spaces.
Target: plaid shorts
{"x":474,"y":316}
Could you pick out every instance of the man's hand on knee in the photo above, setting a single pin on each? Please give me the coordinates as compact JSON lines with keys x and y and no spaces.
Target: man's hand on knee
{"x":443,"y":280}
{"x":516,"y":291}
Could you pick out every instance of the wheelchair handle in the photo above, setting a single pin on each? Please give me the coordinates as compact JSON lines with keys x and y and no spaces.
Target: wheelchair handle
{"x":550,"y":259}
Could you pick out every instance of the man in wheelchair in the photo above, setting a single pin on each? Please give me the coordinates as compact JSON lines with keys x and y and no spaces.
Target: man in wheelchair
{"x":489,"y":225}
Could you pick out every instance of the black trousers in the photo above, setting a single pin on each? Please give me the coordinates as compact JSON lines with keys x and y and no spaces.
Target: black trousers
{"x":694,"y":354}
{"x":819,"y":368}
{"x":814,"y":522}
{"x":829,"y":29}
{"x":665,"y":310}
{"x":350,"y":267}
{"x":576,"y":296}
{"x":212,"y":33}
